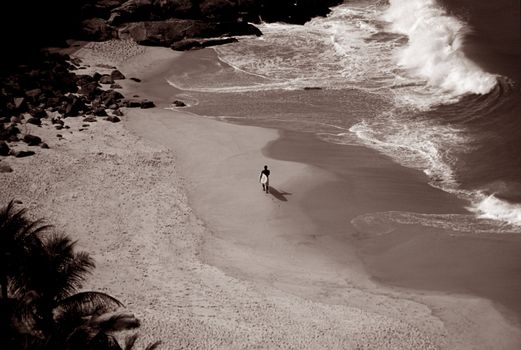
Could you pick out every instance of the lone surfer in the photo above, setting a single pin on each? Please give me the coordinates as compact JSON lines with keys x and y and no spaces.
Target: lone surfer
{"x":264,"y":179}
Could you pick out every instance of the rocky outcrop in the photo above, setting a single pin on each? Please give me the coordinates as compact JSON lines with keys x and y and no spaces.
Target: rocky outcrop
{"x":32,"y":140}
{"x":4,"y":148}
{"x":50,"y":23}
{"x":189,"y":44}
{"x":46,"y":89}
{"x":166,"y":33}
{"x":96,"y":29}
{"x":291,"y":11}
{"x":153,"y":10}
{"x":100,"y":9}
{"x":117,"y":75}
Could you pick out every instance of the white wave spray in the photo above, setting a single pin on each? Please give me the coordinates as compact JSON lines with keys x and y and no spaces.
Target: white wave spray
{"x":491,"y":207}
{"x":435,"y":48}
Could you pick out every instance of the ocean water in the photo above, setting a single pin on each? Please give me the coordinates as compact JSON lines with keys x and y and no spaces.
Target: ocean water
{"x":433,"y":84}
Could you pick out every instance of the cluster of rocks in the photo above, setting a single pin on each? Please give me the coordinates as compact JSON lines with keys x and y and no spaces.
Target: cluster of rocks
{"x":150,"y":22}
{"x":188,"y":24}
{"x":46,"y":88}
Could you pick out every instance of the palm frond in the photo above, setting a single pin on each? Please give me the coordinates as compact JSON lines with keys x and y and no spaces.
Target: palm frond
{"x":60,"y":264}
{"x":19,"y":244}
{"x":118,"y":321}
{"x":103,"y":341}
{"x":153,"y":346}
{"x":130,"y":341}
{"x":86,"y":304}
{"x":89,"y":338}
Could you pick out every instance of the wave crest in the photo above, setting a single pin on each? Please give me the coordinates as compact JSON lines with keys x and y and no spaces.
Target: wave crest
{"x":435,"y":48}
{"x":491,"y":207}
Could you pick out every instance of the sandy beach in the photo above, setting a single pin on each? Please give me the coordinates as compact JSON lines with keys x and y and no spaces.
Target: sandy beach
{"x":169,"y":205}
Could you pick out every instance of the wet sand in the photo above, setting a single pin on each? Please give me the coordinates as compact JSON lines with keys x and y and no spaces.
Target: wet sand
{"x":410,"y":256}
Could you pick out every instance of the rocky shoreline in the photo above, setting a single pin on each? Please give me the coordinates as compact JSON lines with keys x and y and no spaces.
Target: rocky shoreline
{"x":53,"y":86}
{"x":180,"y":24}
{"x":50,"y":88}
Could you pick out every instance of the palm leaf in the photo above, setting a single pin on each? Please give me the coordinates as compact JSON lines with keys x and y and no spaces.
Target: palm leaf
{"x":116,"y":322}
{"x":86,"y":337}
{"x":130,"y":341}
{"x":86,"y":304}
{"x":59,"y":271}
{"x":153,"y":346}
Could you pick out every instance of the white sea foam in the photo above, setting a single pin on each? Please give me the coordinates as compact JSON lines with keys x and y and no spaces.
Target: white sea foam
{"x":435,"y":48}
{"x":415,"y":143}
{"x":491,"y":207}
{"x":381,"y":223}
{"x":330,"y":52}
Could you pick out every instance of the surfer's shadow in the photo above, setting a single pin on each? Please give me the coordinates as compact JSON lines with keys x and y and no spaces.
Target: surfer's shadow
{"x":280,"y":195}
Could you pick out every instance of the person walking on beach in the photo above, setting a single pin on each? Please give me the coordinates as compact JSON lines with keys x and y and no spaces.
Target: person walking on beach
{"x":264,"y":179}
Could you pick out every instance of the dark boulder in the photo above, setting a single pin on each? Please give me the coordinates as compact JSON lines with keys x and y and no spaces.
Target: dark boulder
{"x":53,"y":102}
{"x":33,"y":94}
{"x":132,"y":103}
{"x":15,"y":120}
{"x":110,"y":97}
{"x":21,"y":154}
{"x":117,"y":75}
{"x":100,"y":8}
{"x":144,"y":10}
{"x":178,"y":103}
{"x":118,"y":112}
{"x":74,"y":107}
{"x":131,"y":11}
{"x":35,"y":121}
{"x":44,"y":145}
{"x":38,"y":112}
{"x":165,"y":33}
{"x":4,"y":149}
{"x":147,"y":104}
{"x":137,"y":80}
{"x":91,"y":90}
{"x":106,"y":79}
{"x":113,"y":119}
{"x":189,"y":44}
{"x":32,"y":140}
{"x":56,"y":121}
{"x":100,"y":112}
{"x":296,"y":12}
{"x":96,"y":29}
{"x":9,"y":133}
{"x":90,"y":120}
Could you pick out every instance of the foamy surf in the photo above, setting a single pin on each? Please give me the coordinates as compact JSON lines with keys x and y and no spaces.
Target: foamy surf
{"x":408,"y":53}
{"x":435,"y":48}
{"x":381,"y":223}
{"x":491,"y":207}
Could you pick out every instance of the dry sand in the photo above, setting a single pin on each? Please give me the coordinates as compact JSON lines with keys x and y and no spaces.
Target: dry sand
{"x":242,"y":269}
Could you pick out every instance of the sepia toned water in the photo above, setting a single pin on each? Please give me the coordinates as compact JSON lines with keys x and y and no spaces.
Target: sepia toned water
{"x":432,"y":84}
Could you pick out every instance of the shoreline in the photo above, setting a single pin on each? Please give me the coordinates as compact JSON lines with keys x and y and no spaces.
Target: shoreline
{"x":412,"y":255}
{"x":226,"y":244}
{"x":209,"y":261}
